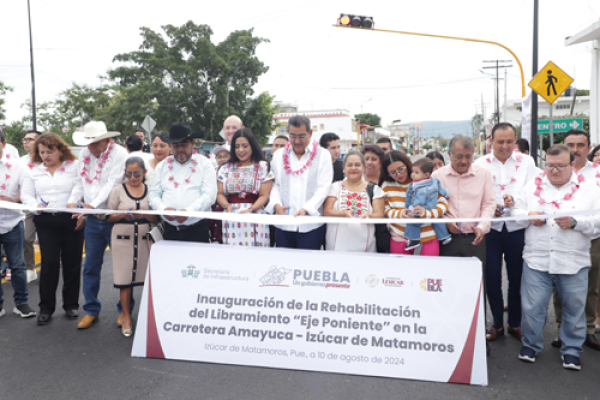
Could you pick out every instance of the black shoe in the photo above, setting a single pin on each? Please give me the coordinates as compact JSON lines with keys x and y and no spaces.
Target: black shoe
{"x":72,"y":313}
{"x":557,"y":342}
{"x":43,"y":317}
{"x":592,"y":342}
{"x":412,"y":244}
{"x":24,"y":311}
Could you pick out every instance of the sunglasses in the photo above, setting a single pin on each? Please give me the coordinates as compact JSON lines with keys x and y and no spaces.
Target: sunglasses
{"x":134,"y":174}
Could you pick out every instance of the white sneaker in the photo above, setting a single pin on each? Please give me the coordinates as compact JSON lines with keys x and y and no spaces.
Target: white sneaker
{"x":31,"y":275}
{"x":2,"y":312}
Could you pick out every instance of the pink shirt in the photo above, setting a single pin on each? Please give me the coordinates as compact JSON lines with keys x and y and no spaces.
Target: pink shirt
{"x":471,"y":195}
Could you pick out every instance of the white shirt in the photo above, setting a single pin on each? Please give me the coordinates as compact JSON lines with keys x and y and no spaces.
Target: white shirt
{"x":519,"y":167}
{"x":54,"y":189}
{"x":112,"y":174}
{"x":170,"y":189}
{"x":11,"y":186}
{"x":298,"y":185}
{"x":550,"y":248}
{"x":12,"y":151}
{"x":26,"y":159}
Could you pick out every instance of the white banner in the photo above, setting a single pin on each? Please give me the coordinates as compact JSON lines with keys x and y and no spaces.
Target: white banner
{"x":353,"y":313}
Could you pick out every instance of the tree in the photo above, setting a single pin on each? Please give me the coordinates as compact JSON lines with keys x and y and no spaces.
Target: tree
{"x":477,"y":123}
{"x":188,"y":78}
{"x":3,"y":90}
{"x":259,"y":117}
{"x":14,"y":134}
{"x":369,"y":119}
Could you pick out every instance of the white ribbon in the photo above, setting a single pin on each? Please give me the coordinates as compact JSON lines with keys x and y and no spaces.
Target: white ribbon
{"x":289,"y":219}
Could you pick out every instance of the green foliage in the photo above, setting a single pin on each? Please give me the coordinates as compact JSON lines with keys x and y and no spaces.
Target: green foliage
{"x":3,"y":90}
{"x":369,"y":119}
{"x":185,"y":77}
{"x":259,"y":117}
{"x":14,"y":134}
{"x":427,"y":146}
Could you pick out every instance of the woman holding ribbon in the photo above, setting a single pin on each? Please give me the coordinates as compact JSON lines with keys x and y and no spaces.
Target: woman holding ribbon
{"x":51,"y":178}
{"x":396,"y":178}
{"x":130,"y":250}
{"x":244,"y":185}
{"x":353,"y":197}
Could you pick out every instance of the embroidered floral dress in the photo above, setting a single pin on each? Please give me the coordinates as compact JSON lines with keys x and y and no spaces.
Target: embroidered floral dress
{"x":241,"y":186}
{"x":345,"y":237}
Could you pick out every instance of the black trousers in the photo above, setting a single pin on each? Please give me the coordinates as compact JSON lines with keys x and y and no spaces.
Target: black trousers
{"x":193,"y":233}
{"x":59,"y":241}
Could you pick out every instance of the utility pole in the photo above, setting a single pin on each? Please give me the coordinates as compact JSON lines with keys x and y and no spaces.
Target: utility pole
{"x":533,"y":146}
{"x":497,"y":67}
{"x":33,"y":116}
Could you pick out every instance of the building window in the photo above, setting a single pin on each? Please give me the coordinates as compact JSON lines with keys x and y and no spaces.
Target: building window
{"x":519,"y":109}
{"x":281,"y":130}
{"x":563,"y":107}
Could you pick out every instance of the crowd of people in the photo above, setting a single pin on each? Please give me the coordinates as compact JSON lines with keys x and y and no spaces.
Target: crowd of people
{"x":545,"y":256}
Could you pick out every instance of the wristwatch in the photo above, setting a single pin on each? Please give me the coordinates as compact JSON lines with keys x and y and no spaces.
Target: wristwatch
{"x":573,"y":223}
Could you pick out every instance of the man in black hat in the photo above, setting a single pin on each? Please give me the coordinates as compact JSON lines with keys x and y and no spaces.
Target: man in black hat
{"x":184,"y":182}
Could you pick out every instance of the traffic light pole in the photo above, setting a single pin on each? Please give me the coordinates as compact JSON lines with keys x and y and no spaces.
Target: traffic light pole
{"x":451,"y":38}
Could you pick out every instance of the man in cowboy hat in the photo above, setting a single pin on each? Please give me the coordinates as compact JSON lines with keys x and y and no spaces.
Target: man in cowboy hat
{"x":184,"y":182}
{"x":101,"y":167}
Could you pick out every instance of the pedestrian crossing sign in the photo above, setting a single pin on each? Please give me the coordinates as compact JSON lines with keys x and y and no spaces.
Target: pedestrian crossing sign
{"x":550,"y":82}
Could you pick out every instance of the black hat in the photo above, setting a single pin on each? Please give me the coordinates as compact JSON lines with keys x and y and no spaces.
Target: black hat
{"x":178,"y":132}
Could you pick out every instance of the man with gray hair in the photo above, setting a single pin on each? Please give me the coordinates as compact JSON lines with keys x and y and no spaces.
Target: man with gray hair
{"x":471,"y":196}
{"x":303,"y":177}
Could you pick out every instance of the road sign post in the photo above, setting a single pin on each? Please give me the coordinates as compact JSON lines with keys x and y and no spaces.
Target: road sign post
{"x":550,"y":82}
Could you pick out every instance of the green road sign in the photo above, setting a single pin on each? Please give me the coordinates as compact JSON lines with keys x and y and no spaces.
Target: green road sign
{"x":560,"y":125}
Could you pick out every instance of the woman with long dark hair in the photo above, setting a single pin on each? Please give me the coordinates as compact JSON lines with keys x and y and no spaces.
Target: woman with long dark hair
{"x":373,"y":162}
{"x":395,"y":179}
{"x":244,"y":185}
{"x":50,"y":181}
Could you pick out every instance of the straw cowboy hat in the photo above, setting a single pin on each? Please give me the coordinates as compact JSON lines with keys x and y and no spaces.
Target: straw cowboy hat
{"x":93,"y":132}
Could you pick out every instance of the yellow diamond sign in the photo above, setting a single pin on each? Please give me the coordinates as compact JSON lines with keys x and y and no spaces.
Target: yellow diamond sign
{"x":550,"y":82}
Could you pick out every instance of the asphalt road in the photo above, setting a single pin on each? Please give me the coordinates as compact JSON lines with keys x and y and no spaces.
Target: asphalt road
{"x":57,"y":361}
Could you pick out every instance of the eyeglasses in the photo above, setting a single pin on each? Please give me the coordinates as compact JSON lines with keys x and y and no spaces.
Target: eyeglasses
{"x":301,"y":137}
{"x":395,"y":172}
{"x":135,"y":174}
{"x":28,"y":139}
{"x":559,"y":168}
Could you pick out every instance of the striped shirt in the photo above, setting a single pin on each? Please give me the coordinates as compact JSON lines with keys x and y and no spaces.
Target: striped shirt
{"x":395,"y":202}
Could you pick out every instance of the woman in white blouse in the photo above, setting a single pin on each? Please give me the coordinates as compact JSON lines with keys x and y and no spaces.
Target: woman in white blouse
{"x":49,"y":185}
{"x":354,"y":197}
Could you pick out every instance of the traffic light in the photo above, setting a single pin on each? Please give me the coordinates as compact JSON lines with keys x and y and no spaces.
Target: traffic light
{"x":355,"y":21}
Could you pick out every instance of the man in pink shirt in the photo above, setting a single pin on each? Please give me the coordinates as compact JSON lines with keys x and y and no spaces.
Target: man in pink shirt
{"x":471,"y":196}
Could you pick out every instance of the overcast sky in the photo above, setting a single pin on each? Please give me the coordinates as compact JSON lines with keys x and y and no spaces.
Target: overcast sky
{"x":310,"y":62}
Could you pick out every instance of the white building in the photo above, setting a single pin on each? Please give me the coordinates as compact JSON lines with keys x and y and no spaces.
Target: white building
{"x":338,"y":121}
{"x":561,"y":107}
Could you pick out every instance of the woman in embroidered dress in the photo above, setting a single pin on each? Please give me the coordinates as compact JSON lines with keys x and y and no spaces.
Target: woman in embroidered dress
{"x":129,"y":246}
{"x":52,"y":175}
{"x":397,"y":169}
{"x":373,"y":162}
{"x":244,"y":185}
{"x":350,"y":199}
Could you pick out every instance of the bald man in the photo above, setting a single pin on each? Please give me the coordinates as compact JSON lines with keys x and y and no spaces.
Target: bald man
{"x":232,"y":124}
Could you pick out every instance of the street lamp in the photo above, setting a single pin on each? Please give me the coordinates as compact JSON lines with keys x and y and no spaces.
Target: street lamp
{"x":345,"y":22}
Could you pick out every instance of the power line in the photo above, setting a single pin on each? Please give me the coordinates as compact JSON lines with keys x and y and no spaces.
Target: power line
{"x":413,"y":86}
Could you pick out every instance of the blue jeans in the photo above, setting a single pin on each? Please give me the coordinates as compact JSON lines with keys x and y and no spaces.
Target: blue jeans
{"x":13,"y":243}
{"x":413,"y":231}
{"x":509,"y":244}
{"x":97,"y":237}
{"x":536,"y":289}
